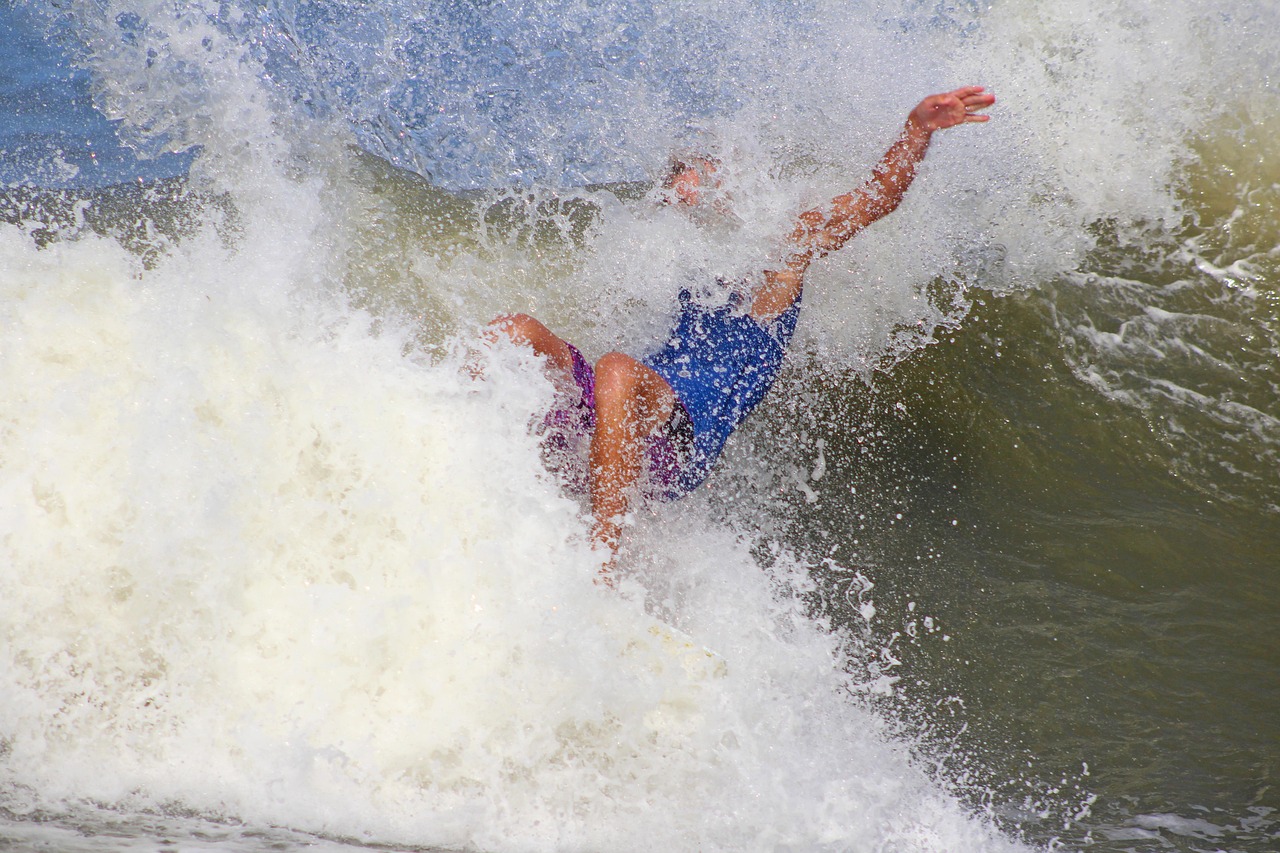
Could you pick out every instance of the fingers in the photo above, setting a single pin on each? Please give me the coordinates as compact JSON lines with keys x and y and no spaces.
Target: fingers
{"x":974,"y":97}
{"x":966,"y":93}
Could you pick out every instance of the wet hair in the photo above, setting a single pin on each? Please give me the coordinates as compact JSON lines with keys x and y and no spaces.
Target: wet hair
{"x":703,"y":164}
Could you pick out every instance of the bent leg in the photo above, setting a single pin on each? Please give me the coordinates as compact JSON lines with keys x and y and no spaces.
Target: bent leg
{"x":568,"y":426}
{"x":526,"y":331}
{"x":632,"y":403}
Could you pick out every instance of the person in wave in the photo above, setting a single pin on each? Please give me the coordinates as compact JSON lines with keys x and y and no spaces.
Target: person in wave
{"x":656,"y":425}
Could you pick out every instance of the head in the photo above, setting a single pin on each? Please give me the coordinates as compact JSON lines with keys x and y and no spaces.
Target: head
{"x":690,"y":177}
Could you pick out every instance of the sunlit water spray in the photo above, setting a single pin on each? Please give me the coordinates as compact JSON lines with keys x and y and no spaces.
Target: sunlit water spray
{"x":275,"y":555}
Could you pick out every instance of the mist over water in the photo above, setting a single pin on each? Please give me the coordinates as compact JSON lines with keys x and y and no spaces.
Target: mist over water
{"x":277,"y":566}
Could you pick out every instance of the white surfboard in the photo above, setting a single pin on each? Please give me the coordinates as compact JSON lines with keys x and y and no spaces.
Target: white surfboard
{"x":662,"y":645}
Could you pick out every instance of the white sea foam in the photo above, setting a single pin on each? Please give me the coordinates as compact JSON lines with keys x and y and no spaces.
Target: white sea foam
{"x":262,"y":563}
{"x":266,"y":558}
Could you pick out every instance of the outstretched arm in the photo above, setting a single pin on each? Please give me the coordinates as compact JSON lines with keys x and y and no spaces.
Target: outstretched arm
{"x":826,"y":229}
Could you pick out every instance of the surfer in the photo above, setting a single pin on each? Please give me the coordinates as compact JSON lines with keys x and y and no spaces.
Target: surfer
{"x":660,"y":422}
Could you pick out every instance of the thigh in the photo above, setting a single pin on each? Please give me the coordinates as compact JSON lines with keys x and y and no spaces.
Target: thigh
{"x":625,"y":387}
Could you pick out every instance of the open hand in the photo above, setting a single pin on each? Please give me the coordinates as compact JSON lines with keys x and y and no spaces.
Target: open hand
{"x":938,"y":112}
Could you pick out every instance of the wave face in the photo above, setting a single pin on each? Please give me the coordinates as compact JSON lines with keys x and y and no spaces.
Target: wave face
{"x":282,"y":565}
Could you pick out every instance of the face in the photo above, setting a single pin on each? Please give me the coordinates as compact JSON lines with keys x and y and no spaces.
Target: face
{"x":688,"y":180}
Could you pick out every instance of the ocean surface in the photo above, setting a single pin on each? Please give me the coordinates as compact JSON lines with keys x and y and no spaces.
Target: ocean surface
{"x":995,"y":567}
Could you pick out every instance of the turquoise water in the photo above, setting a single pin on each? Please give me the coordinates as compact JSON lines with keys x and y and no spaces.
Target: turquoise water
{"x":994,"y":567}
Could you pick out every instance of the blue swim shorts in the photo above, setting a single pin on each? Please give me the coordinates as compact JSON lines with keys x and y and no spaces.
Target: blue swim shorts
{"x":720,"y":362}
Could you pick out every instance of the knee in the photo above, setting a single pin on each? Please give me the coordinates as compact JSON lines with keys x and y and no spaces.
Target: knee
{"x":616,"y":375}
{"x":523,"y":330}
{"x":520,"y":328}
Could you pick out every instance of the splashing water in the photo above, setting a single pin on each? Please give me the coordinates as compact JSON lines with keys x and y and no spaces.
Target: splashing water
{"x":275,"y":556}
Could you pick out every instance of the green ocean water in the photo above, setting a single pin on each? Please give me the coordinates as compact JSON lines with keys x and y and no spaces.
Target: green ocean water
{"x":1069,"y":507}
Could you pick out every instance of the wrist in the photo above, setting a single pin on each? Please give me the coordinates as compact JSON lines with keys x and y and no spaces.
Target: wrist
{"x":918,"y":127}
